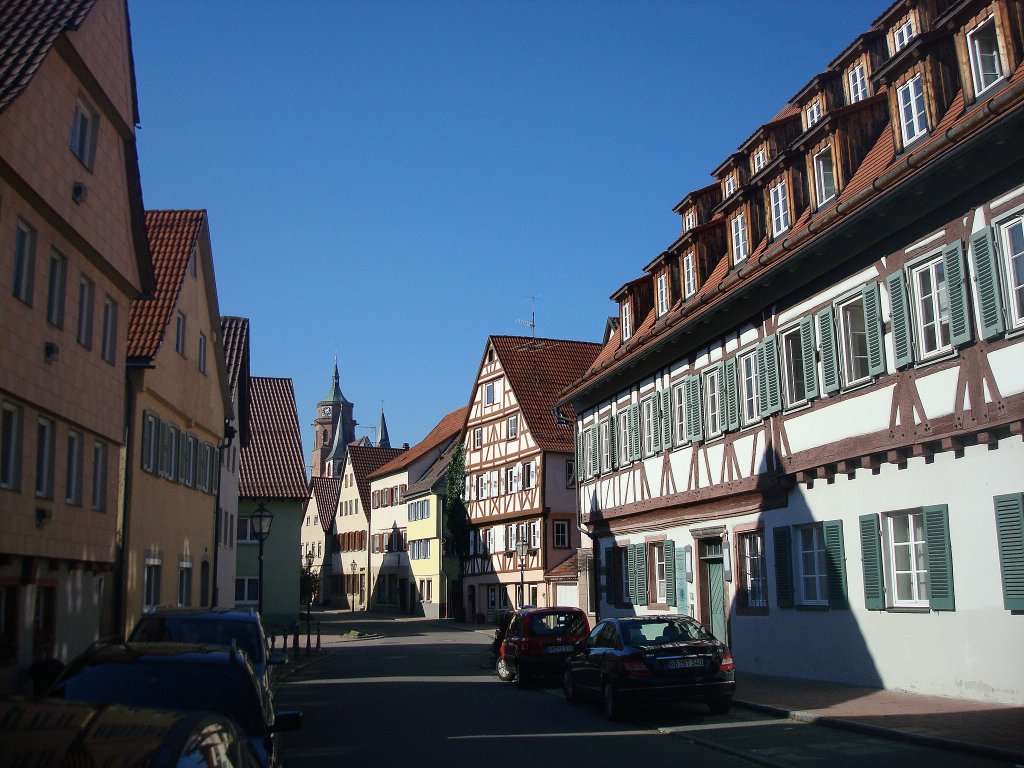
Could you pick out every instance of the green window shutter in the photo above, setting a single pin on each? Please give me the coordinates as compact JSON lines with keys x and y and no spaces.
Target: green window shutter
{"x":829,"y":354}
{"x":612,"y":443}
{"x":595,"y":451}
{"x":682,"y":602}
{"x":666,"y":419}
{"x":631,"y":564}
{"x":580,"y":469}
{"x":182,"y":457}
{"x":871,"y":556}
{"x":731,"y":401}
{"x":873,"y":329}
{"x":939,"y":558}
{"x":956,"y":287}
{"x":634,"y":432}
{"x":768,"y":385}
{"x":809,"y":349}
{"x":783,"y":566}
{"x":694,"y":409}
{"x":902,"y":342}
{"x":986,"y":272}
{"x":1010,"y":533}
{"x":610,"y":582}
{"x":641,"y":574}
{"x":835,"y":564}
{"x":655,"y":402}
{"x":670,"y":572}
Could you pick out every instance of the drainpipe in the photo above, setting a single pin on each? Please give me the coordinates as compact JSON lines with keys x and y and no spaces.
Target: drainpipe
{"x":120,"y":591}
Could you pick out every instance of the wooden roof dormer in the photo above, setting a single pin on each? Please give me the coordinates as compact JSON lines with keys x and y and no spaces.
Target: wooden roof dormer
{"x":697,"y":251}
{"x":665,"y":282}
{"x":732,"y":175}
{"x":822,"y":95}
{"x":988,"y":38}
{"x":858,"y":63}
{"x":635,"y":300}
{"x":698,"y":206}
{"x":770,"y":140}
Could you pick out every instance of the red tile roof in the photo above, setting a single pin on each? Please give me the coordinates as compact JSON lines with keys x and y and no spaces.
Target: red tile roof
{"x":325,"y":490}
{"x":445,"y":430}
{"x":567,"y":570}
{"x":365,"y":460}
{"x":28,"y":31}
{"x":235,"y":337}
{"x":172,"y":237}
{"x":538,"y":370}
{"x":272,"y":463}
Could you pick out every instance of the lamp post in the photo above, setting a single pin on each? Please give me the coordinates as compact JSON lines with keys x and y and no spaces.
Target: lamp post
{"x":522,"y":547}
{"x":261,"y":520}
{"x":353,"y":567}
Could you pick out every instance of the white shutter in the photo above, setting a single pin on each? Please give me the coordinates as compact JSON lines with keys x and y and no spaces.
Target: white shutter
{"x":535,"y":534}
{"x":517,"y":478}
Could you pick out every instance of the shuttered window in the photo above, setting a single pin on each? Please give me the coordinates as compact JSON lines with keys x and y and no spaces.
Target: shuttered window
{"x":634,"y":432}
{"x":871,"y":557}
{"x":694,"y":410}
{"x":666,"y":419}
{"x":835,"y":564}
{"x":610,"y":576}
{"x":768,"y":386}
{"x":782,"y":548}
{"x":930,"y":308}
{"x":669,"y":549}
{"x":1010,"y":533}
{"x":986,"y":274}
{"x":873,"y":330}
{"x":640,"y":574}
{"x":819,"y":568}
{"x":902,"y":341}
{"x":956,"y":286}
{"x":730,"y":396}
{"x":829,"y":356}
{"x":631,"y":572}
{"x":940,"y":558}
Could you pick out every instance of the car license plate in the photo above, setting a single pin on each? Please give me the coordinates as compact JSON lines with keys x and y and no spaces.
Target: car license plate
{"x":560,"y":648}
{"x":684,"y":663}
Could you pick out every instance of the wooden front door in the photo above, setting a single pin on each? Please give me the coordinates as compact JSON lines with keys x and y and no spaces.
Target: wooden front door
{"x":712,"y":588}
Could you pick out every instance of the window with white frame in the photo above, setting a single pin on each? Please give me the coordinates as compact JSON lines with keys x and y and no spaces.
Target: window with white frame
{"x":931,"y":308}
{"x":622,"y":437}
{"x":247,"y":591}
{"x":626,"y":324}
{"x":478,"y":437}
{"x":86,"y":296}
{"x":760,"y":160}
{"x":10,"y":448}
{"x":179,"y":334}
{"x":73,"y":491}
{"x":657,"y":559}
{"x":688,"y":221}
{"x":560,"y":534}
{"x":679,"y":412}
{"x":649,"y":424}
{"x":570,"y":473}
{"x":605,"y":445}
{"x":1012,"y":241}
{"x":513,"y":427}
{"x":907,"y":554}
{"x":811,"y":565}
{"x":813,"y":113}
{"x":662,"y":293}
{"x":780,"y":208}
{"x":57,"y":289}
{"x":730,"y":185}
{"x":902,"y":35}
{"x":529,"y":475}
{"x":712,"y":402}
{"x":589,"y":453}
{"x":913,"y":119}
{"x":739,"y":238}
{"x":689,"y":275}
{"x":793,"y":380}
{"x":84,"y":129}
{"x":45,"y":445}
{"x":246,"y":532}
{"x":109,"y":341}
{"x":986,"y":67}
{"x":510,"y":480}
{"x":151,"y":584}
{"x":858,"y":82}
{"x":853,"y":341}
{"x":824,"y":176}
{"x":99,"y":476}
{"x":750,"y":407}
{"x":489,"y":393}
{"x":753,"y":586}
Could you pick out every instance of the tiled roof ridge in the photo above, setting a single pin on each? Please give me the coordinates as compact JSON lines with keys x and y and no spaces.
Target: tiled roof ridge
{"x":447,"y":427}
{"x":366,"y":459}
{"x":273,"y":464}
{"x":326,"y":491}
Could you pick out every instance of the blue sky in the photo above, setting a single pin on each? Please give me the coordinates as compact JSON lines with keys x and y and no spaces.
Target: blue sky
{"x":391,"y":182}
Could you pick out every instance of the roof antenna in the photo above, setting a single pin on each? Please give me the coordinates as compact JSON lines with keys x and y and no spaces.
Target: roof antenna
{"x":532,"y":322}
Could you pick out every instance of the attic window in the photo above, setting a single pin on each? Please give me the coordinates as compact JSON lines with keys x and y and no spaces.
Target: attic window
{"x":689,"y":275}
{"x":983,"y":44}
{"x":662,"y":294}
{"x":730,"y":185}
{"x":83,"y":133}
{"x":626,"y":323}
{"x":760,"y":159}
{"x":688,"y":222}
{"x":490,"y":355}
{"x":780,"y":208}
{"x":903,"y":35}
{"x":813,"y":113}
{"x":913,"y":120}
{"x":858,"y":83}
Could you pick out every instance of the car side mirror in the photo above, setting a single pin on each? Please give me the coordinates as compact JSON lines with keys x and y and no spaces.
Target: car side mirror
{"x":277,"y":657}
{"x":287,"y":720}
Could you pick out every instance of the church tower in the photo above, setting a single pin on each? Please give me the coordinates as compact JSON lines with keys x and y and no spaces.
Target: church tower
{"x":333,"y":429}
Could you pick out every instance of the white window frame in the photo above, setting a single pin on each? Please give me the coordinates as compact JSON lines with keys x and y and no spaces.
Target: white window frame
{"x":688,"y":222}
{"x":24,"y":262}
{"x":689,"y":274}
{"x":792,"y":369}
{"x":858,"y":82}
{"x":179,"y":333}
{"x":250,"y":590}
{"x":739,"y":238}
{"x":86,"y":299}
{"x":760,"y":160}
{"x":657,"y":556}
{"x":605,"y":444}
{"x":84,"y":130}
{"x":936,"y":300}
{"x":489,"y":390}
{"x":818,"y":577}
{"x":662,"y":283}
{"x":710,"y":380}
{"x":755,"y":572}
{"x":478,"y":437}
{"x":679,"y":412}
{"x":750,"y":404}
{"x":913,"y":113}
{"x":824,"y":170}
{"x":560,"y":534}
{"x":202,"y":352}
{"x":1010,"y":258}
{"x":627,"y":320}
{"x":730,"y":185}
{"x":648,"y":424}
{"x":245,"y":533}
{"x":589,"y":436}
{"x":902,"y":35}
{"x":622,"y":442}
{"x":916,"y":564}
{"x":852,"y":341}
{"x":151,"y":583}
{"x":529,"y":475}
{"x":184,"y":584}
{"x":978,"y":57}
{"x":780,"y":208}
{"x":513,"y":426}
{"x":813,"y":113}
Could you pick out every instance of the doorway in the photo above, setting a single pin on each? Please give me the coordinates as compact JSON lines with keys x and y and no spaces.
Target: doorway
{"x":713,"y":614}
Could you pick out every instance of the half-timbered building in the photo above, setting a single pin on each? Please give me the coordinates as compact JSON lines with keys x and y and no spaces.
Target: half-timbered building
{"x":520,"y":474}
{"x":806,"y":428}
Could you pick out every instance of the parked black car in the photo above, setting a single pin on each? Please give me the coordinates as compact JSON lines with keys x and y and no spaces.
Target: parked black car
{"x":48,"y":732}
{"x":212,"y":626}
{"x":180,"y":676}
{"x":651,"y":658}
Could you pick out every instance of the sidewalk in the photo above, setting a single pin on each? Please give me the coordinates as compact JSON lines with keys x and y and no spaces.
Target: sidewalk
{"x":988,"y":730}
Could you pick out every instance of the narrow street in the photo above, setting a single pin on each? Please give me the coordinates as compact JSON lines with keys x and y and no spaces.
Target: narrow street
{"x":426,"y":693}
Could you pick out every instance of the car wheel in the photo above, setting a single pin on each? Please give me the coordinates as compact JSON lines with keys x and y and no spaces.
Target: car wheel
{"x":611,"y":701}
{"x":505,"y":672}
{"x":569,"y":688}
{"x":720,"y":706}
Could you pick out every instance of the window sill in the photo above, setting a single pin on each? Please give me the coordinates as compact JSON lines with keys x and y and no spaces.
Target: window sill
{"x":657,"y":606}
{"x":908,"y":609}
{"x":800,"y":607}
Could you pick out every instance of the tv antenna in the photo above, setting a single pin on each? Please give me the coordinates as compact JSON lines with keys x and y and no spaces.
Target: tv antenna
{"x":532,"y":322}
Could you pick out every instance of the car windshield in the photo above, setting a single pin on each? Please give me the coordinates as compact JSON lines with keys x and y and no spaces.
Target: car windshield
{"x":662,"y":632}
{"x":184,"y":629}
{"x":223,"y":689}
{"x":557,"y":623}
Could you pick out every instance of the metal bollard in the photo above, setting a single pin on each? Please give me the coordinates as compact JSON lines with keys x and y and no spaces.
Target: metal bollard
{"x":318,"y":637}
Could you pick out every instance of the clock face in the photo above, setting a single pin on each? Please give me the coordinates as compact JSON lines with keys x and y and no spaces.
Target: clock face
{"x":325,"y":411}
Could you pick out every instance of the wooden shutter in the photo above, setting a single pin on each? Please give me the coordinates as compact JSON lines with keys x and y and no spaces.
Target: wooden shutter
{"x":1010,"y":535}
{"x":873,"y":329}
{"x":669,"y":552}
{"x":768,"y":386}
{"x":939,"y":558}
{"x":634,"y":432}
{"x":902,"y":341}
{"x":666,"y":419}
{"x":694,"y":409}
{"x":986,"y":273}
{"x":595,"y":453}
{"x":580,"y":469}
{"x":732,"y":399}
{"x":830,"y":381}
{"x":655,"y":402}
{"x":182,"y":458}
{"x":641,"y":574}
{"x":783,"y":566}
{"x":613,"y":455}
{"x":835,"y":564}
{"x":809,"y":349}
{"x":631,"y":576}
{"x":610,"y":582}
{"x":956,"y":287}
{"x":871,"y":557}
{"x":147,"y":441}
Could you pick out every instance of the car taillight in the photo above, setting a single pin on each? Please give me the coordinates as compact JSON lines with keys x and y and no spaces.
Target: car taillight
{"x":727,"y":663}
{"x":635,"y":667}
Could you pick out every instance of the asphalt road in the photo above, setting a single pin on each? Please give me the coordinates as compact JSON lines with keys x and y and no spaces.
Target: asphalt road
{"x":426,"y":695}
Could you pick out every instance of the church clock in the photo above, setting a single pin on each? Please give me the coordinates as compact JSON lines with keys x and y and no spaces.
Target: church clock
{"x":325,"y":410}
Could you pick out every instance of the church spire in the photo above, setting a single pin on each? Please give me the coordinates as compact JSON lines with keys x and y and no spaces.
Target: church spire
{"x":383,"y":441}
{"x":335,"y":395}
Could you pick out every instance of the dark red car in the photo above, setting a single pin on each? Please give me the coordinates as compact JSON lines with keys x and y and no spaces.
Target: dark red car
{"x":538,"y":641}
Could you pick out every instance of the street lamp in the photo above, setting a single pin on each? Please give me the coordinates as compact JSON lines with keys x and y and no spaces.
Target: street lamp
{"x":261,"y":520}
{"x":353,"y":567}
{"x":522,"y":547}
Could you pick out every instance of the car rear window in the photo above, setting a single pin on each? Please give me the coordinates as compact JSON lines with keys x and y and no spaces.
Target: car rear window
{"x":558,"y":623}
{"x":662,"y":632}
{"x":175,"y":629}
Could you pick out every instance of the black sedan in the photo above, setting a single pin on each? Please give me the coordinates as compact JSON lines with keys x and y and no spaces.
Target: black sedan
{"x":651,"y":659}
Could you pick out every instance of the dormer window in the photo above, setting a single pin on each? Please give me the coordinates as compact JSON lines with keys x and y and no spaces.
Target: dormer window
{"x":813,"y":113}
{"x":739,"y":238}
{"x":780,"y":208}
{"x":858,"y":82}
{"x":913,"y":120}
{"x":83,"y":133}
{"x":689,"y":275}
{"x":730,"y":185}
{"x":983,"y":44}
{"x":662,"y":294}
{"x":688,"y":221}
{"x":626,"y":321}
{"x":824,"y":176}
{"x":760,"y":160}
{"x":902,"y":35}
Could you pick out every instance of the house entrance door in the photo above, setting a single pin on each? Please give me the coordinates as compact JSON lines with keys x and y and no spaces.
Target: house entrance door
{"x":492,"y":603}
{"x":712,"y":588}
